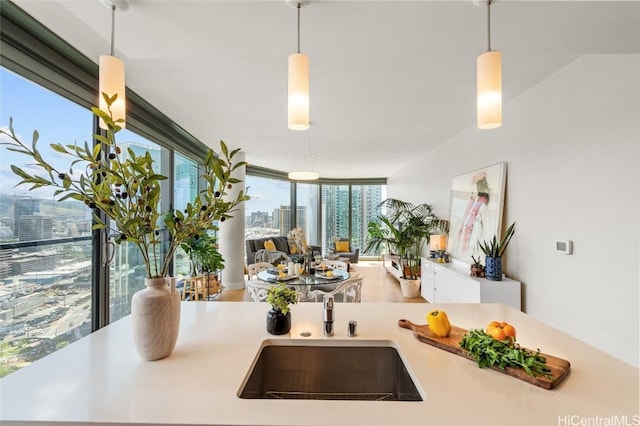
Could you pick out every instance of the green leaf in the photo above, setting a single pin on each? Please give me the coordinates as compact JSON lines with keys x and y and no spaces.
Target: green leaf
{"x":72,"y":195}
{"x":59,"y":148}
{"x":97,"y":148}
{"x":225,"y":150}
{"x":21,"y":173}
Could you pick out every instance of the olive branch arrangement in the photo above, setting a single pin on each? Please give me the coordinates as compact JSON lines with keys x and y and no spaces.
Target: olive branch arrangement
{"x":125,"y":188}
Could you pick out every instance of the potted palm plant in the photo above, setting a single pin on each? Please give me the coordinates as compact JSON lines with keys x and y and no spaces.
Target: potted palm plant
{"x":205,"y":259}
{"x":493,"y":251}
{"x":279,"y":316}
{"x":123,"y":191}
{"x":403,"y":231}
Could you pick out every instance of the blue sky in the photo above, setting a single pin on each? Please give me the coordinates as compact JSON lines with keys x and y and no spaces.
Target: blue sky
{"x":266,"y":194}
{"x":32,"y":107}
{"x":57,"y":120}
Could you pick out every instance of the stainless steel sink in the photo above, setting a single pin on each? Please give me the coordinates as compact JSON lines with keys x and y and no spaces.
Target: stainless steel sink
{"x":370,"y":370}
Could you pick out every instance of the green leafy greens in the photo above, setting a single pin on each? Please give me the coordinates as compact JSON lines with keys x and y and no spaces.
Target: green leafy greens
{"x":489,"y":352}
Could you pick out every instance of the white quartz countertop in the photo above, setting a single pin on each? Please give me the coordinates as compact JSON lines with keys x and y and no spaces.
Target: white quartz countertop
{"x":100,"y":379}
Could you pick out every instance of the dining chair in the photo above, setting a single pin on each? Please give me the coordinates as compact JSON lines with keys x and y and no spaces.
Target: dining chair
{"x":348,"y":291}
{"x":257,"y":289}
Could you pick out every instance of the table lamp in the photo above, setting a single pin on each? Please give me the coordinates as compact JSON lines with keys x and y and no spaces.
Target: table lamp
{"x":438,"y":244}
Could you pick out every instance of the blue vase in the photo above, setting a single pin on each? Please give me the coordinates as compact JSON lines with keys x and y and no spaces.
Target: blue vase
{"x":493,"y":268}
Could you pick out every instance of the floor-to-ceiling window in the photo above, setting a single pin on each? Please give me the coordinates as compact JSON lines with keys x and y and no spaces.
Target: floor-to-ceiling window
{"x":185,"y":189}
{"x":45,"y":245}
{"x":127,"y":270}
{"x":324,"y":210}
{"x":307,"y":209}
{"x":335,"y":213}
{"x":365,"y":200}
{"x":347,"y":211}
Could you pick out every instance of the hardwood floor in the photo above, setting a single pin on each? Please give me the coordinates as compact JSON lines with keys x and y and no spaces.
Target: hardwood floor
{"x":377,"y":286}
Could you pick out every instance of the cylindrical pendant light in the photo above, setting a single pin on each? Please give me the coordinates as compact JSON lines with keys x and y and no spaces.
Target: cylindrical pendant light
{"x":489,"y":83}
{"x":298,"y":91}
{"x":298,"y":99}
{"x":112,"y":81}
{"x":490,"y":90}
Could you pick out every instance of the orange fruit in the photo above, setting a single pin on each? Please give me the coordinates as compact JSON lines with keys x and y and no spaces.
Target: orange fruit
{"x":501,"y":330}
{"x":509,"y":331}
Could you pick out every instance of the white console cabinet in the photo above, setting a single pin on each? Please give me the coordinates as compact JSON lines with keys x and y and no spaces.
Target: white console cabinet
{"x":391,"y":263}
{"x":451,"y":283}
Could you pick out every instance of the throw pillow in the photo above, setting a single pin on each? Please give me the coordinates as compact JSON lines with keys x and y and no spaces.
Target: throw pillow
{"x":269,"y":245}
{"x":342,"y":246}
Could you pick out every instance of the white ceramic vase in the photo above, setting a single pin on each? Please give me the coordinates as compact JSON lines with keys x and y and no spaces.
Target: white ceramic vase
{"x":410,"y":288}
{"x":155,"y":316}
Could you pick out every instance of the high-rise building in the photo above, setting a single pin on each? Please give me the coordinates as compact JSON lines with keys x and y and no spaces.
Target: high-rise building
{"x":365,"y":200}
{"x":23,"y":206}
{"x":282,"y":219}
{"x":335,"y":218}
{"x":34,"y":228}
{"x":339,"y":203}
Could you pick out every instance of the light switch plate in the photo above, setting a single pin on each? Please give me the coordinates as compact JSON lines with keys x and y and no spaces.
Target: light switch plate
{"x":564,"y":246}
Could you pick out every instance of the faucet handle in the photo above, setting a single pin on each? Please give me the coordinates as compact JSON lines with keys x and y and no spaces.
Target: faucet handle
{"x":327,"y":315}
{"x":328,"y":302}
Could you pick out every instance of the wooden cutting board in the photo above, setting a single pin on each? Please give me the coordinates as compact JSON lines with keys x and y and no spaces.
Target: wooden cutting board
{"x":559,"y":367}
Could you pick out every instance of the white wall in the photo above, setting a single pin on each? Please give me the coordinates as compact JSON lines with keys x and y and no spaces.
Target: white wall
{"x":572,"y":145}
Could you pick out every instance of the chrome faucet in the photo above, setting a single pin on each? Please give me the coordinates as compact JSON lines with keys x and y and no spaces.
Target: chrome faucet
{"x":327,"y":315}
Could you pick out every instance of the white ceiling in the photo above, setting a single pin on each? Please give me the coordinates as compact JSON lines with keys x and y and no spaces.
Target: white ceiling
{"x":388,"y":78}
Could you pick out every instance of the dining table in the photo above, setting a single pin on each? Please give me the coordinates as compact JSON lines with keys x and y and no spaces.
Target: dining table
{"x":304,"y":284}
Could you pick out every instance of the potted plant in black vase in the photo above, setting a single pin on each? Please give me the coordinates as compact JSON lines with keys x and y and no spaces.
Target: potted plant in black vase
{"x":279,"y":316}
{"x":493,"y":251}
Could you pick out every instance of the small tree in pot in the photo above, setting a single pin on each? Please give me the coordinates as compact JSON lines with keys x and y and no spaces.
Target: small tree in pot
{"x":404,"y":230}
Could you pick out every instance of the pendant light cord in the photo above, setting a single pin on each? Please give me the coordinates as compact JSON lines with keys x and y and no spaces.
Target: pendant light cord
{"x":298,"y":27}
{"x":295,"y":152}
{"x":310,"y":155}
{"x":113,"y":24}
{"x":489,"y":25}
